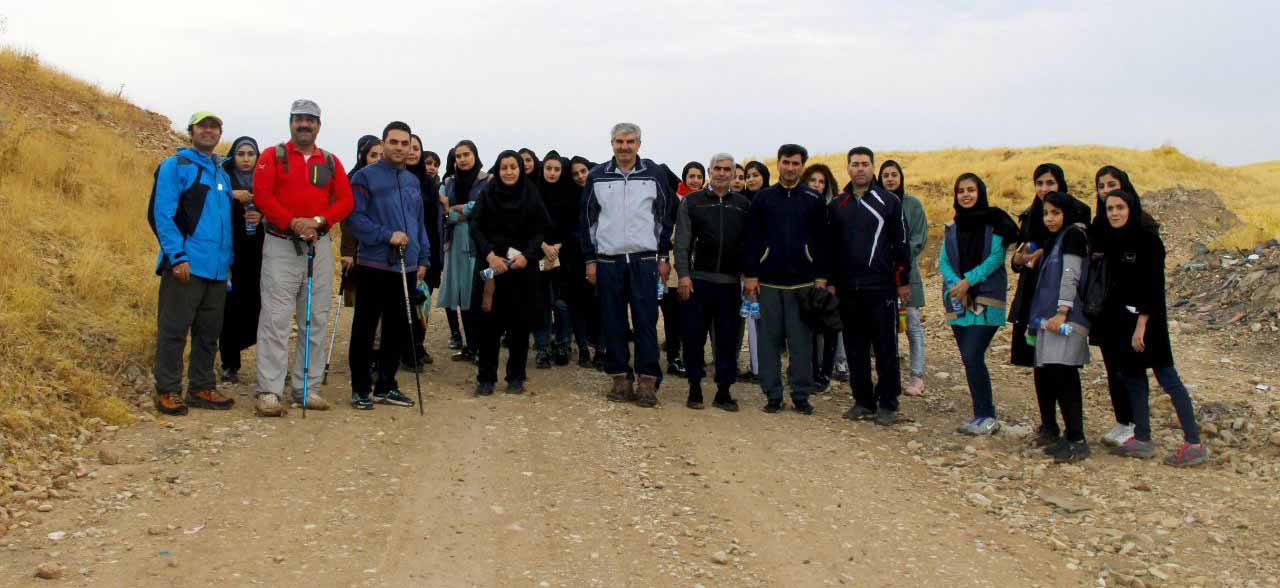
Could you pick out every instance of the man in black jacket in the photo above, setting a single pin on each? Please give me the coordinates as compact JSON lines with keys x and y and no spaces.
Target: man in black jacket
{"x":870,"y":275}
{"x":783,"y":258}
{"x":709,"y":262}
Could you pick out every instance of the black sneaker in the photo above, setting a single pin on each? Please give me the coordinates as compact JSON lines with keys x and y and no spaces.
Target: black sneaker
{"x":484,"y":389}
{"x":1047,"y":438}
{"x":695,"y":399}
{"x":1059,"y":445}
{"x":802,"y":406}
{"x":774,"y":406}
{"x":748,"y":377}
{"x":543,"y":362}
{"x":675,"y":367}
{"x":562,"y":355}
{"x":464,"y":355}
{"x":584,"y":358}
{"x":821,"y":385}
{"x":425,"y":358}
{"x":455,"y":342}
{"x":886,"y":417}
{"x":860,"y":413}
{"x":726,"y":404}
{"x":393,"y":397}
{"x":361,"y":402}
{"x":1072,"y":452}
{"x":516,"y":387}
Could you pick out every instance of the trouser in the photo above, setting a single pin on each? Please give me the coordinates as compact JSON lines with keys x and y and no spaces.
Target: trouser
{"x":583,"y":317}
{"x":824,"y":353}
{"x":629,"y":282}
{"x":556,"y":320}
{"x":455,"y":327}
{"x":511,"y":316}
{"x":671,"y":329}
{"x":915,"y":341}
{"x":870,"y":319}
{"x":284,"y":297}
{"x":714,"y":306}
{"x":416,"y":343}
{"x":1060,"y":385}
{"x":1120,"y":405}
{"x":1135,"y":384}
{"x":783,"y":328}
{"x":973,"y":342}
{"x":379,"y":298}
{"x":195,"y":307}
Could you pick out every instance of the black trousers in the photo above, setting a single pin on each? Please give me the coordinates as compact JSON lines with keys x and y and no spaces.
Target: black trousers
{"x":712,"y":306}
{"x":379,"y":296}
{"x":870,"y":320}
{"x":511,"y":315}
{"x":1120,"y":403}
{"x":1060,"y":385}
{"x":194,"y":308}
{"x":671,"y":330}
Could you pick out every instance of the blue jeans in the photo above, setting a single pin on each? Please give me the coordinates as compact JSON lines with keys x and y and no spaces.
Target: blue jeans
{"x":557,"y":317}
{"x":915,"y":339}
{"x":629,"y":282}
{"x":973,"y":342}
{"x":1139,"y":390}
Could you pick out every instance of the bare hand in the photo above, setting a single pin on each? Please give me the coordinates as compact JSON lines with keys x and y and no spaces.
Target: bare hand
{"x":1139,"y":339}
{"x":422,"y":272}
{"x":1030,"y":260}
{"x":1055,"y":324}
{"x":956,"y":292}
{"x":519,"y":262}
{"x":497,"y":264}
{"x":182,"y":271}
{"x":591,"y":273}
{"x":347,"y":262}
{"x":686,"y":288}
{"x":751,"y":287}
{"x":399,"y":239}
{"x":664,"y":269}
{"x":242,"y":196}
{"x":253,"y":217}
{"x":300,"y":226}
{"x":551,"y":252}
{"x":904,"y":293}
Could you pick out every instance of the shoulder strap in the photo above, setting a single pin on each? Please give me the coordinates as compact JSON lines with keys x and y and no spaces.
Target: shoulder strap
{"x":282,"y":157}
{"x":333,"y":173}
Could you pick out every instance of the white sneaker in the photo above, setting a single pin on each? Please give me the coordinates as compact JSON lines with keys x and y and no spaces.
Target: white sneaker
{"x":268,"y":405}
{"x":986,"y":426}
{"x":314,"y":401}
{"x":1118,"y":435}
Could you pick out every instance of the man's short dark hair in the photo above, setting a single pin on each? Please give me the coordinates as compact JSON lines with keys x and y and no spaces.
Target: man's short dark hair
{"x":862,"y":151}
{"x":791,"y":149}
{"x":395,"y":126}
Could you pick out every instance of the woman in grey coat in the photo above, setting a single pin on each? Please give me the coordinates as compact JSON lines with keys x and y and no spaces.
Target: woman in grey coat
{"x":894,"y":180}
{"x":463,"y":183}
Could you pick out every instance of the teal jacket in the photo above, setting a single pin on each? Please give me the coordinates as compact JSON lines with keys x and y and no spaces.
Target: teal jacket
{"x":918,"y":237}
{"x":991,"y":316}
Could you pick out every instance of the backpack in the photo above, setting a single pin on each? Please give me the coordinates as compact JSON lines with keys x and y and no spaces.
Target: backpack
{"x":1093,"y":292}
{"x":190,"y":201}
{"x":282,"y":160}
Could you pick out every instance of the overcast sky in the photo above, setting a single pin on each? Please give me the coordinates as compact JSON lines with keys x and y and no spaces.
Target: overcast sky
{"x":698,"y":77}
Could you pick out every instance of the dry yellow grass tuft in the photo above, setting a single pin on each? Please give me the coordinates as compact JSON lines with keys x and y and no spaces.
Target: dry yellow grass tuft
{"x":77,"y":294}
{"x":1251,"y":192}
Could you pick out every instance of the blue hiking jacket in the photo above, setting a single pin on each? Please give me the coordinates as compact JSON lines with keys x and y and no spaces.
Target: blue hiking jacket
{"x":208,"y":249}
{"x":388,"y":199}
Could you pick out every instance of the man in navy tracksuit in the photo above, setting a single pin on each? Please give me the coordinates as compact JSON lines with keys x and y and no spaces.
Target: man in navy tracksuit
{"x":783,"y":260}
{"x":869,"y":274}
{"x":388,"y":223}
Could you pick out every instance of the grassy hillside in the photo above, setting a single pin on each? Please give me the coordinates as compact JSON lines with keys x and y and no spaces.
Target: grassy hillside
{"x":77,"y":290}
{"x":1251,"y":192}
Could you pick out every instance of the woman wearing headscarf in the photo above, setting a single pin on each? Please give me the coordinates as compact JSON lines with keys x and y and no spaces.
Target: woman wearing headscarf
{"x":529,"y":160}
{"x":1058,"y":326}
{"x":433,"y":220}
{"x":368,"y":152}
{"x":976,"y":284}
{"x":586,"y":317}
{"x":507,"y":226}
{"x":560,"y":195}
{"x":739,"y":182}
{"x":1133,"y":329}
{"x":692,"y":178}
{"x":828,"y":345}
{"x":463,"y":182}
{"x":895,"y":180}
{"x":756,"y":179}
{"x":240,"y":316}
{"x":1048,"y":177}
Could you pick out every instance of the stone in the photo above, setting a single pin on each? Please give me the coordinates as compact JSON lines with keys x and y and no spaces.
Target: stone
{"x":979,"y":500}
{"x":720,"y":558}
{"x":1066,"y":502}
{"x":46,"y":507}
{"x":110,"y":456}
{"x":1275,"y":438}
{"x":49,"y":570}
{"x":1143,"y":541}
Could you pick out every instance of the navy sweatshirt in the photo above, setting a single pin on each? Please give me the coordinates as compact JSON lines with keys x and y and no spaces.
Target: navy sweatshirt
{"x":784,"y":241}
{"x":869,"y":241}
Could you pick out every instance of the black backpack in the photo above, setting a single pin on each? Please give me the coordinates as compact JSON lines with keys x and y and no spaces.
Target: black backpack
{"x":190,"y":202}
{"x":1093,"y":294}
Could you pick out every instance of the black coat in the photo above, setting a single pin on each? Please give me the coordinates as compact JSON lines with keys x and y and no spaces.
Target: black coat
{"x":520,"y":223}
{"x":1135,"y":275}
{"x":240,"y":317}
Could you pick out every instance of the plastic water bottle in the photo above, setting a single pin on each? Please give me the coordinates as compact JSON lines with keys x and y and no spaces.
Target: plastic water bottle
{"x":228,"y":285}
{"x":662,"y":288}
{"x":953,"y":305}
{"x":487,"y":274}
{"x":1065,"y":330}
{"x":755,"y":310}
{"x":250,"y":228}
{"x":744,"y":311}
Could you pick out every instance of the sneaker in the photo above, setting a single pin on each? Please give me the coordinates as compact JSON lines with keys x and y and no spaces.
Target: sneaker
{"x":916,"y":387}
{"x":597,"y":362}
{"x":464,"y":355}
{"x":170,"y":403}
{"x":774,"y":406}
{"x":675,"y":367}
{"x":1188,"y":456}
{"x":886,"y":417}
{"x":209,"y":399}
{"x":695,"y":397}
{"x":821,"y":385}
{"x":1072,"y":452}
{"x":647,"y":391}
{"x":561,"y":356}
{"x":543,"y":361}
{"x":455,"y":341}
{"x":748,"y":377}
{"x":484,"y":388}
{"x":968,"y":428}
{"x":859,"y":413}
{"x":408,"y":365}
{"x":515,"y":387}
{"x":314,"y":401}
{"x":269,"y":405}
{"x":982,"y":426}
{"x":584,"y":358}
{"x":425,"y":358}
{"x":1118,"y":435}
{"x":841,"y":371}
{"x":361,"y":402}
{"x":802,"y":406}
{"x":1136,"y":448}
{"x":393,"y":397}
{"x":1059,"y":444}
{"x":232,"y":376}
{"x":622,"y":391}
{"x":1047,"y":438}
{"x":726,"y":404}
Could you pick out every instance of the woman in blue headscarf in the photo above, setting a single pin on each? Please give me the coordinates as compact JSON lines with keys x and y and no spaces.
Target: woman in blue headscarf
{"x":240,"y":318}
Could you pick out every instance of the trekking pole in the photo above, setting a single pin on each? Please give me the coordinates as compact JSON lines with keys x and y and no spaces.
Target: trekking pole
{"x":306,"y":346}
{"x":333,"y":334}
{"x":408,"y":313}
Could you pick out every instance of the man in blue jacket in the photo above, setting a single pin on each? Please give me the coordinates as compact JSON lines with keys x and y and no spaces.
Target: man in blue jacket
{"x":388,"y":223}
{"x":870,"y":274}
{"x":191,"y":215}
{"x":783,"y":260}
{"x":628,"y":211}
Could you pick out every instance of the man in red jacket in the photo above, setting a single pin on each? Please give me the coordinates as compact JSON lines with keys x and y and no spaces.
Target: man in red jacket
{"x":302,"y":191}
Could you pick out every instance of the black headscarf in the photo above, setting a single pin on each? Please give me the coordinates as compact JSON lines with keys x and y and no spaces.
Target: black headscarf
{"x":243,"y":179}
{"x":419,"y":170}
{"x":1115,"y":240}
{"x":465,"y":179}
{"x":901,"y":191}
{"x":972,"y":223}
{"x":1100,"y":222}
{"x":537,"y":163}
{"x":684,"y":174}
{"x":1034,"y":230}
{"x":560,"y":198}
{"x":1073,"y":212}
{"x":367,"y":143}
{"x":510,"y":197}
{"x":764,"y":173}
{"x":362,"y":145}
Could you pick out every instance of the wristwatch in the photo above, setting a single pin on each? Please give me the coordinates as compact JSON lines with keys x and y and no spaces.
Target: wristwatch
{"x":319,"y":220}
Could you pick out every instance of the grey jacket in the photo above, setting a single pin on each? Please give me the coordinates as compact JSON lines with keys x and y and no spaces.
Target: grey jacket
{"x":627,"y":212}
{"x":918,"y":229}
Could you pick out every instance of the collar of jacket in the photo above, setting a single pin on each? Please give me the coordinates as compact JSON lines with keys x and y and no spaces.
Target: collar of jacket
{"x":786,"y":187}
{"x":290,"y":147}
{"x":613,"y":166}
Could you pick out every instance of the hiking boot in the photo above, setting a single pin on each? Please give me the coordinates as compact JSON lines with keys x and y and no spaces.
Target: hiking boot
{"x":543,"y":362}
{"x":647,"y":392}
{"x":515,"y":387}
{"x":361,"y":402}
{"x":210,"y":399}
{"x":392,"y":397}
{"x":802,"y":406}
{"x":1188,"y":456}
{"x":1072,"y":452}
{"x":484,"y":388}
{"x":561,"y":356}
{"x":170,"y":403}
{"x":1118,"y":435}
{"x":886,"y":417}
{"x":584,"y":358}
{"x":314,"y":401}
{"x":774,"y":406}
{"x":860,"y":413}
{"x":269,"y":405}
{"x":622,"y":391}
{"x":1135,"y":447}
{"x":1047,"y":438}
{"x":229,"y":375}
{"x":455,"y":341}
{"x":1059,"y":445}
{"x":695,"y":397}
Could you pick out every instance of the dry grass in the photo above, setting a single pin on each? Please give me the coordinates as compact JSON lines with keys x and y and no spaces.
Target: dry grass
{"x":1251,"y":192}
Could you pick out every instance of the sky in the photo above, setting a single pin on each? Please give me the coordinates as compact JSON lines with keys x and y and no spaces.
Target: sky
{"x":698,"y":77}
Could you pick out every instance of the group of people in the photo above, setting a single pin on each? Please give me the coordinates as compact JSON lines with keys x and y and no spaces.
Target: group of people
{"x":565,"y":251}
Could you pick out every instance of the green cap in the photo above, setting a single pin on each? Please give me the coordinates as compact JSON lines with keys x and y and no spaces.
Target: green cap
{"x":198,"y":117}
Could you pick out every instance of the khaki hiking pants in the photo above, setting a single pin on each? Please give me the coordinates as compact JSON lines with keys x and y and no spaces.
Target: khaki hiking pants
{"x":284,"y":297}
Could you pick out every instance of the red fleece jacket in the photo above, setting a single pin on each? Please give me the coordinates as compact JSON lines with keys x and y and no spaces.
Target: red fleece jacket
{"x":282,"y":198}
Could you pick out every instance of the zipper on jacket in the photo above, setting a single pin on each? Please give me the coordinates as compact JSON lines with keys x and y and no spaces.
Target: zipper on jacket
{"x":720,"y":241}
